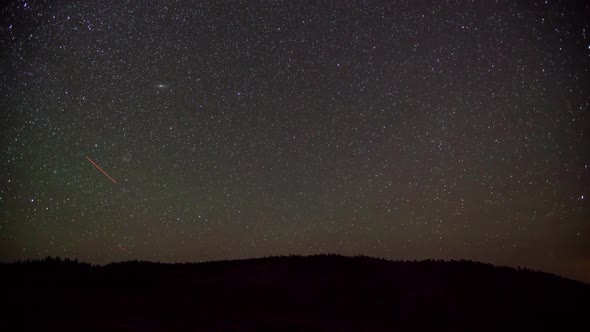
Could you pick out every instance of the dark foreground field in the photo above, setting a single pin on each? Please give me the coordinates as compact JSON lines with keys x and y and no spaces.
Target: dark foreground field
{"x":319,"y":293}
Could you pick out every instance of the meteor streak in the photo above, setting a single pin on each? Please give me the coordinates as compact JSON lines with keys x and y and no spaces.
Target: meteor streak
{"x":100,"y":169}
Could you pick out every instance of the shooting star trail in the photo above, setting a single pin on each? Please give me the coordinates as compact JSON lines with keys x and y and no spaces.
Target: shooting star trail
{"x":100,"y":169}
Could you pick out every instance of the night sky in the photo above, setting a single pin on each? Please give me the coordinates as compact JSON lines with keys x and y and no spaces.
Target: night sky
{"x":237,"y":129}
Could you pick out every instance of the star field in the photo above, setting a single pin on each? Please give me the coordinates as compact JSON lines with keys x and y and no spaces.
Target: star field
{"x":242,"y":129}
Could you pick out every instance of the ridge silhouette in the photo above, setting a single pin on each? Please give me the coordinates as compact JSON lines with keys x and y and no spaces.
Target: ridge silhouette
{"x":289,"y":293}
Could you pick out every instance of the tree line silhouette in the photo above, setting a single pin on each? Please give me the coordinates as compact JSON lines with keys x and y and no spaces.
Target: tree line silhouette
{"x":292,"y":293}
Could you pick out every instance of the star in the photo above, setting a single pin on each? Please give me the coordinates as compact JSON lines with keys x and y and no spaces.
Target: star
{"x":363,"y":125}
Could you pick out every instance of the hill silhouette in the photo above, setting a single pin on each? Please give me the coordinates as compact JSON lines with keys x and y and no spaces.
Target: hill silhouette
{"x":295,"y":293}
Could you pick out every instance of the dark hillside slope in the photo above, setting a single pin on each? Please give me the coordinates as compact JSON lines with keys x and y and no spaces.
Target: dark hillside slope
{"x":322,"y":293}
